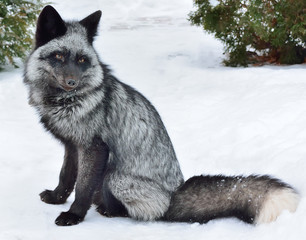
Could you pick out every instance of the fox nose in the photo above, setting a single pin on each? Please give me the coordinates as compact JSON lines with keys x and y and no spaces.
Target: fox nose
{"x":71,"y":82}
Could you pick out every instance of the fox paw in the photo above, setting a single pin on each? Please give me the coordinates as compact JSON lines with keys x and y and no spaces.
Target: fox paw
{"x":103,"y":211}
{"x":52,"y":197}
{"x":68,"y":219}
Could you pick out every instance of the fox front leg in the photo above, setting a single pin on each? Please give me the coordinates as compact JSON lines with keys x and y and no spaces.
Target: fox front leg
{"x":67,"y":177}
{"x":91,"y":164}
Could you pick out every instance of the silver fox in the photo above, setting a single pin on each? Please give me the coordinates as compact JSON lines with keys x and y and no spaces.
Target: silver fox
{"x":118,"y":154}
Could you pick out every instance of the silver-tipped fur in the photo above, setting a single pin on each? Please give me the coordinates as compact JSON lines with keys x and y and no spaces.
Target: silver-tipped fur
{"x":253,"y":199}
{"x":118,"y":154}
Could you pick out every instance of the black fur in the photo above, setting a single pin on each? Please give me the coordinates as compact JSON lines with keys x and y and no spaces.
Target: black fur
{"x":92,"y":169}
{"x":109,"y":206}
{"x":211,"y":197}
{"x":68,"y":219}
{"x":91,"y":24}
{"x":67,"y":177}
{"x":50,"y":25}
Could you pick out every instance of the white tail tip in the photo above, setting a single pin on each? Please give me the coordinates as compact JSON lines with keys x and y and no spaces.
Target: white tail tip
{"x":276,"y":202}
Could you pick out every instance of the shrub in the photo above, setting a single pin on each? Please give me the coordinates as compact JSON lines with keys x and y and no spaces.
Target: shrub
{"x":256,"y":31}
{"x":16,"y":19}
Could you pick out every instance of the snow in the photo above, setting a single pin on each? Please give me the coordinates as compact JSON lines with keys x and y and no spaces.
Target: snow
{"x":221,"y":121}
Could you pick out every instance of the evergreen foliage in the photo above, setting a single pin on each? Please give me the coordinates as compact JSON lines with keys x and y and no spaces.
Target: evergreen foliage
{"x":256,"y":31}
{"x":17,"y":18}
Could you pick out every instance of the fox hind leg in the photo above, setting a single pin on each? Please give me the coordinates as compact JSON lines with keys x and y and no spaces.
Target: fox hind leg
{"x":107,"y":204}
{"x":143,"y":198}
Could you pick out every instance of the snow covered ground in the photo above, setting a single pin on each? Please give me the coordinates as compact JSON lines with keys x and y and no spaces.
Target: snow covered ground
{"x":221,"y":121}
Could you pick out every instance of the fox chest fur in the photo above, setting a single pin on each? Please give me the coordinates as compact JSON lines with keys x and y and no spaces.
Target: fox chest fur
{"x":69,"y":117}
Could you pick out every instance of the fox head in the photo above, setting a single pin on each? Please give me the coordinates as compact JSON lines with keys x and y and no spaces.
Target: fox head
{"x":63,"y":59}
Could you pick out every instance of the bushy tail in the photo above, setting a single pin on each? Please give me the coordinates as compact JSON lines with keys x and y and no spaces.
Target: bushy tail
{"x":253,"y":199}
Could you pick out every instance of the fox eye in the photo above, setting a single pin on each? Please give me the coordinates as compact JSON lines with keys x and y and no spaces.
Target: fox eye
{"x":81,"y":60}
{"x":59,"y":56}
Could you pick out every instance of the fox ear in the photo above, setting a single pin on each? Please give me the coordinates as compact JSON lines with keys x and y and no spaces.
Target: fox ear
{"x":49,"y":26}
{"x":91,"y":24}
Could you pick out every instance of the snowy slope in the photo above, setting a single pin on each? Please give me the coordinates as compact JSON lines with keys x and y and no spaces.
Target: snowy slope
{"x":221,"y":121}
